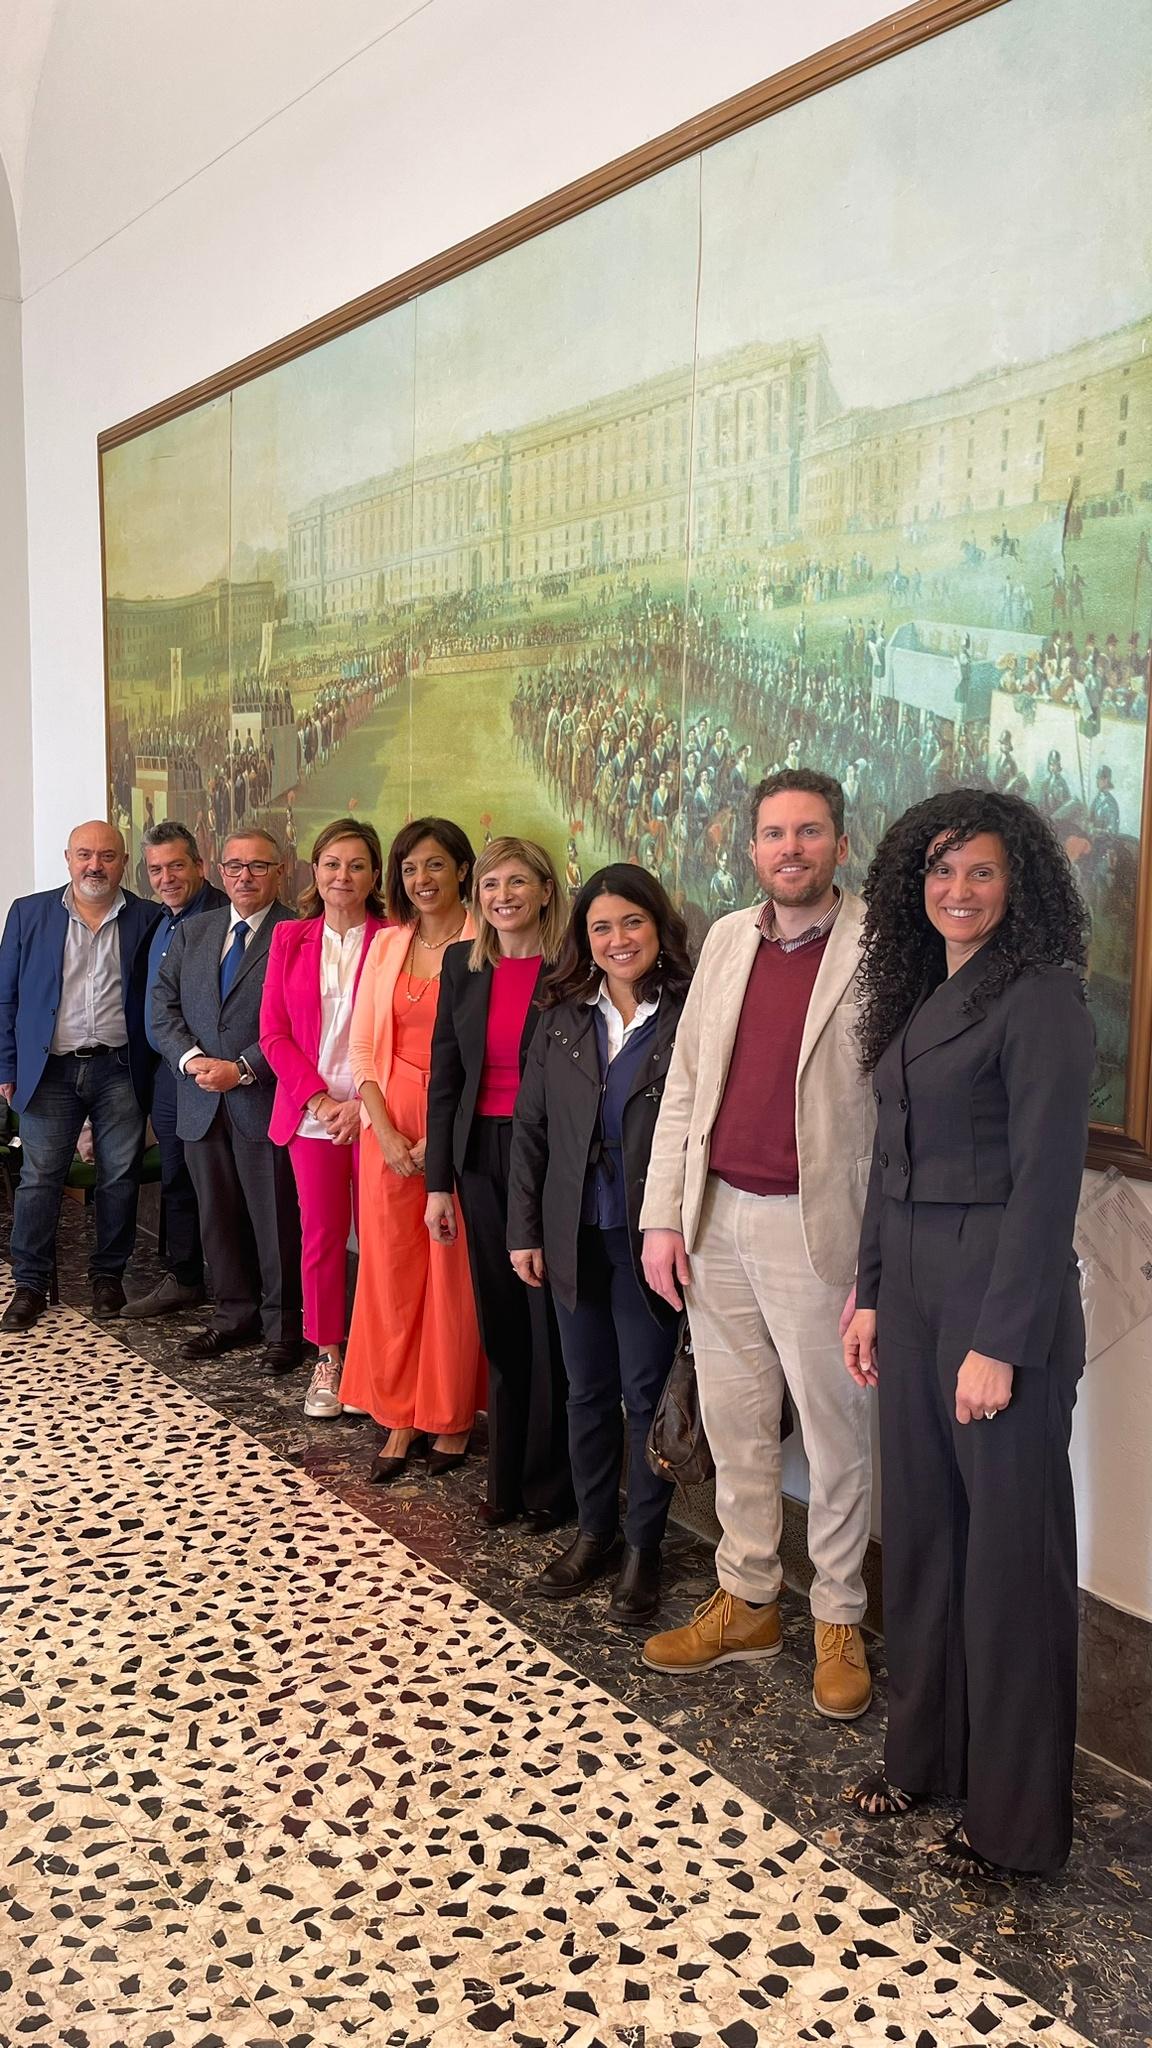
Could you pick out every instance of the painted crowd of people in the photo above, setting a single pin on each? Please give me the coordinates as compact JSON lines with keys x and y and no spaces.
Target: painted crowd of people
{"x":845,"y":1142}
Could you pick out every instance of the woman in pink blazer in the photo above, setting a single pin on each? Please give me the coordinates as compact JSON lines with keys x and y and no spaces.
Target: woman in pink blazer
{"x":314,"y":969}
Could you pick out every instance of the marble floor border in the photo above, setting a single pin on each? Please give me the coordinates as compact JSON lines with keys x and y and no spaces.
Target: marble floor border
{"x":1082,"y":1947}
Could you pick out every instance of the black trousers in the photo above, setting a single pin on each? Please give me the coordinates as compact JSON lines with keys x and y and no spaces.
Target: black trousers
{"x":184,"y":1255}
{"x":527,"y":1422}
{"x":250,"y":1224}
{"x":980,"y":1592}
{"x":618,"y":1358}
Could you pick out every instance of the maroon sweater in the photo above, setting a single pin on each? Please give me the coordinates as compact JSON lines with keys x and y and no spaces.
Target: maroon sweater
{"x":754,"y":1136}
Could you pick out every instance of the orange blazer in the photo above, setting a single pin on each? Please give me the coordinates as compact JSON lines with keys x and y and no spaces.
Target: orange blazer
{"x":370,"y":1039}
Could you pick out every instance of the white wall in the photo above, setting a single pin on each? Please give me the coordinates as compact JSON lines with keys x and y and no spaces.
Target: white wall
{"x":201,"y":180}
{"x":1111,"y":1440}
{"x":15,"y":700}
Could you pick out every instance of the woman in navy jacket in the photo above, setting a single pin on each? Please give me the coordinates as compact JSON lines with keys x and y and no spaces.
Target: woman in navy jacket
{"x":581,"y":1139}
{"x":968,"y":1316}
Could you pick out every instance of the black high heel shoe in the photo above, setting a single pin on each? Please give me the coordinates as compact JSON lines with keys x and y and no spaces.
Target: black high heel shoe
{"x":386,"y":1469}
{"x":440,"y":1462}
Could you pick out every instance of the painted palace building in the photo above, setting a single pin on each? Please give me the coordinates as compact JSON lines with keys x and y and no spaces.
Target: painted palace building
{"x":776,"y":459}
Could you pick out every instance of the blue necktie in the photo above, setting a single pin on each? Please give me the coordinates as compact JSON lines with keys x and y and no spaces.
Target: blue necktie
{"x":230,"y":964}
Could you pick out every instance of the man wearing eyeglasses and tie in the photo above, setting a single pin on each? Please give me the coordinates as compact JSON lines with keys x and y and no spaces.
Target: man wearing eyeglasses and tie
{"x":206,"y":1022}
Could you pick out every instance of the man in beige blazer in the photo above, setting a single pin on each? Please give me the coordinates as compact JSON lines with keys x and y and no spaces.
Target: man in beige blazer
{"x":753,"y":1202}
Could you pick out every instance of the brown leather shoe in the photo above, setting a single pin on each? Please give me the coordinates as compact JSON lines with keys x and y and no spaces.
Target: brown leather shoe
{"x":842,"y":1686}
{"x":725,"y":1630}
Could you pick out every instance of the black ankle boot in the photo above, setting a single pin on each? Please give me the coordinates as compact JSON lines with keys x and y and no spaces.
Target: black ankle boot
{"x":584,"y":1561}
{"x":636,"y":1594}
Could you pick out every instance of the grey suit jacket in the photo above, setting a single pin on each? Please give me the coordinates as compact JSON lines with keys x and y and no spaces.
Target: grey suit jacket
{"x":187,"y":1011}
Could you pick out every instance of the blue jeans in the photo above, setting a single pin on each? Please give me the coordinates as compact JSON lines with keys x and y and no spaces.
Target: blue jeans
{"x":70,"y":1092}
{"x":617,"y":1358}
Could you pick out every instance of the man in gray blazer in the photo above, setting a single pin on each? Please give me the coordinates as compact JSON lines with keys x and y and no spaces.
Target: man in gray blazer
{"x":206,"y":1023}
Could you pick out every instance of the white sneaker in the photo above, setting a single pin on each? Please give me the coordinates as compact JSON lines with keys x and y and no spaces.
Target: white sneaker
{"x":323,"y":1396}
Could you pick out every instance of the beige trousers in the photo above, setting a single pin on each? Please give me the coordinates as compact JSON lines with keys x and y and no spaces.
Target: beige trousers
{"x":762,"y":1320}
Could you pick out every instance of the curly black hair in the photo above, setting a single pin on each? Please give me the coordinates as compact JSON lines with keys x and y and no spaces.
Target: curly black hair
{"x":1045,"y":922}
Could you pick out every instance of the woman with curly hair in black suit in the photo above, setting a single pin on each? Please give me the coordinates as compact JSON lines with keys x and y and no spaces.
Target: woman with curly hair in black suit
{"x":968,"y":1317}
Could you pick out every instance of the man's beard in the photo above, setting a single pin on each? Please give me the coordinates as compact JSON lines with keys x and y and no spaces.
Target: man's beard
{"x":95,"y":886}
{"x":797,"y":893}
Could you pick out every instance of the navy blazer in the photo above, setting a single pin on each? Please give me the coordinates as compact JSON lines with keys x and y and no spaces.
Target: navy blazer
{"x":207,"y":897}
{"x":987,"y":1101}
{"x":32,"y":978}
{"x":187,"y":1011}
{"x":554,"y":1130}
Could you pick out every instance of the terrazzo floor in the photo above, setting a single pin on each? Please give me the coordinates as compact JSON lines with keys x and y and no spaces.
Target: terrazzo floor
{"x":273,"y":1772}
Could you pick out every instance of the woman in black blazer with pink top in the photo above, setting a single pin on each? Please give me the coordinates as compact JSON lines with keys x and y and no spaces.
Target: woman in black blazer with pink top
{"x":487,"y":1018}
{"x":968,"y":1317}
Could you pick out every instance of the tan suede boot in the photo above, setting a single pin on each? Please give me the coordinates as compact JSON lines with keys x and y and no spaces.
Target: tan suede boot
{"x":842,"y":1686}
{"x":725,"y":1630}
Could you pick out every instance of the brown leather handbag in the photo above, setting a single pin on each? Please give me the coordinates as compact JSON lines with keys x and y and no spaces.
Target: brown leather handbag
{"x":677,"y":1447}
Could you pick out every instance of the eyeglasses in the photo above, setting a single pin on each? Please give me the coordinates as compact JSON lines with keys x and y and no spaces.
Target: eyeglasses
{"x":256,"y":868}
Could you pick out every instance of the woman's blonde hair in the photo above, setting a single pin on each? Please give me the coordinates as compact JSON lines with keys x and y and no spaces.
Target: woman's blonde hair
{"x":553,"y":917}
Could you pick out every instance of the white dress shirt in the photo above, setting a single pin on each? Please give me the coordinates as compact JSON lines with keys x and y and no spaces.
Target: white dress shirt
{"x":618,"y":1030}
{"x":91,"y":1008}
{"x":254,"y":920}
{"x":339,"y":959}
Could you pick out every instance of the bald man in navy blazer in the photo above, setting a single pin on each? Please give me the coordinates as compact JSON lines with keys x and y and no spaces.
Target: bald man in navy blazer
{"x":73,"y":1049}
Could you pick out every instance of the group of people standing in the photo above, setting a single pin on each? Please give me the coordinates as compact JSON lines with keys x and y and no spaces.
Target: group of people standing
{"x":849,"y":1144}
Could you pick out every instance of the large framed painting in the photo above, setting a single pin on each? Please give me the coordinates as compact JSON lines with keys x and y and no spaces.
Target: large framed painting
{"x":819,"y":431}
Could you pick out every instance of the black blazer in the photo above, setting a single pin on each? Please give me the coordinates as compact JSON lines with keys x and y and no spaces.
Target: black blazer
{"x":557,"y":1114}
{"x":987,"y":1102}
{"x":187,"y":1011}
{"x":458,"y":1044}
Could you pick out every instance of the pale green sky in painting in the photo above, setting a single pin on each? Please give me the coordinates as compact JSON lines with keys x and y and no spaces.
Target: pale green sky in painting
{"x":915,"y":217}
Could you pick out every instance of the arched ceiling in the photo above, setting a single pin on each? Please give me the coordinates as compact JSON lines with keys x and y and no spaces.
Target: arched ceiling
{"x":107,"y":106}
{"x":25,"y":30}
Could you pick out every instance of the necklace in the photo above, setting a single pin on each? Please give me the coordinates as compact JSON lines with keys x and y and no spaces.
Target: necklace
{"x":426,"y":983}
{"x":434,"y":945}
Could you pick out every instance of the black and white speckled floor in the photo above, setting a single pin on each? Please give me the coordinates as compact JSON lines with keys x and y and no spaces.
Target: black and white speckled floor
{"x":290,"y":1759}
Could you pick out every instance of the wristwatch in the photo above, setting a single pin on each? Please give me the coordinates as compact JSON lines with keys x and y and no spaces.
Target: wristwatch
{"x":247,"y":1077}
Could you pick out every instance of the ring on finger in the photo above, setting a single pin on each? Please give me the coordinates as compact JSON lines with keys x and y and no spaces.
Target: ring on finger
{"x":990,"y":1414}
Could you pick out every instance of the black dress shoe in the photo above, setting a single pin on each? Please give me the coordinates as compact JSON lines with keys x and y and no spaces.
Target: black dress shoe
{"x":495,"y":1516}
{"x":584,"y":1561}
{"x":636,"y":1594}
{"x":25,"y":1308}
{"x":108,"y":1296}
{"x":214,"y":1343}
{"x":277,"y":1358}
{"x":386,"y":1469}
{"x":542,"y":1521}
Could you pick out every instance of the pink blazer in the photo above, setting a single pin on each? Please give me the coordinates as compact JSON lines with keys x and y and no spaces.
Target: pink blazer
{"x":370,"y":1040}
{"x":290,"y":1017}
